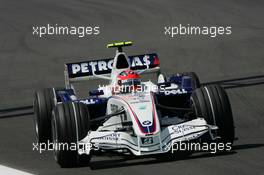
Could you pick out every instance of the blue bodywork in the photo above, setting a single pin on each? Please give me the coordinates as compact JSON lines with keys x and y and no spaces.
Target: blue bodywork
{"x":183,"y":82}
{"x":67,"y":95}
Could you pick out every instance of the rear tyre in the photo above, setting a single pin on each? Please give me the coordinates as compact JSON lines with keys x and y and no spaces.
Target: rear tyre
{"x":70,"y":124}
{"x":212,"y":103}
{"x":43,"y":105}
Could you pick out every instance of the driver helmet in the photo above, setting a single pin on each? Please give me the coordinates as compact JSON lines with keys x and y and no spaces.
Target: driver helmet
{"x":129,"y":80}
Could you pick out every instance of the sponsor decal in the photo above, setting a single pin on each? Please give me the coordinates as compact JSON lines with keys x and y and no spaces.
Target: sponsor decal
{"x":140,"y":101}
{"x":137,"y":61}
{"x":87,"y":67}
{"x":182,"y":128}
{"x":114,"y":136}
{"x":147,"y":140}
{"x":175,"y":91}
{"x":89,"y":101}
{"x":147,"y":123}
{"x":104,"y":66}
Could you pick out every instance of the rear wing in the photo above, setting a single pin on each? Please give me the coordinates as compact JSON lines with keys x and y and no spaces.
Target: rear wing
{"x":88,"y":70}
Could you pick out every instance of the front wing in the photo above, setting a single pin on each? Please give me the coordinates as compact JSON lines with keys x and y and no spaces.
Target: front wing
{"x":152,"y":144}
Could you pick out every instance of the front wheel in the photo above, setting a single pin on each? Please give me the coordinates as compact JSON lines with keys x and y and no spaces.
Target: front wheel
{"x":70,"y":124}
{"x":43,"y":105}
{"x":211,"y":102}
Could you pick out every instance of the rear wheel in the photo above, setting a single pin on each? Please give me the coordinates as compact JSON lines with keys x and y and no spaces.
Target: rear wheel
{"x":43,"y":105}
{"x":212,"y":103}
{"x":70,"y":124}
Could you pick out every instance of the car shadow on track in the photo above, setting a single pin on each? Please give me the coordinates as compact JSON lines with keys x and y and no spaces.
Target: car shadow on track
{"x":247,"y":146}
{"x":16,"y":112}
{"x":239,"y":82}
{"x":134,"y":161}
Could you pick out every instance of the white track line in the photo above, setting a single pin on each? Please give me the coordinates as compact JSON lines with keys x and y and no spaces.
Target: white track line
{"x":11,"y":171}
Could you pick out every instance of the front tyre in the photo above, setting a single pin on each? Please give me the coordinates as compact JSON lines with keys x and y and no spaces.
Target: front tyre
{"x":211,"y":102}
{"x":43,"y":105}
{"x":70,"y":124}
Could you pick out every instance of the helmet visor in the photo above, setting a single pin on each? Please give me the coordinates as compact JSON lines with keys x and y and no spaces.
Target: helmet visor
{"x":131,"y":82}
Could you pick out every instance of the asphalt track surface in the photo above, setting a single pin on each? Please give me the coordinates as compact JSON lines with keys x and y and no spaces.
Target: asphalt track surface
{"x":29,"y":62}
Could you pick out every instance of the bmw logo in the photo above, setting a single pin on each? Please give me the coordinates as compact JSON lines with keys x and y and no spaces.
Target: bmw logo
{"x":147,"y":122}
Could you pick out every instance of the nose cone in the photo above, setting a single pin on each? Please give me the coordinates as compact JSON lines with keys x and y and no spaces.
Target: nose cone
{"x":143,"y":114}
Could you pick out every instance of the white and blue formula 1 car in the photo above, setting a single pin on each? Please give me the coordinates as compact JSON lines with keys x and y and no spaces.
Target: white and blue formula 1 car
{"x":128,"y":115}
